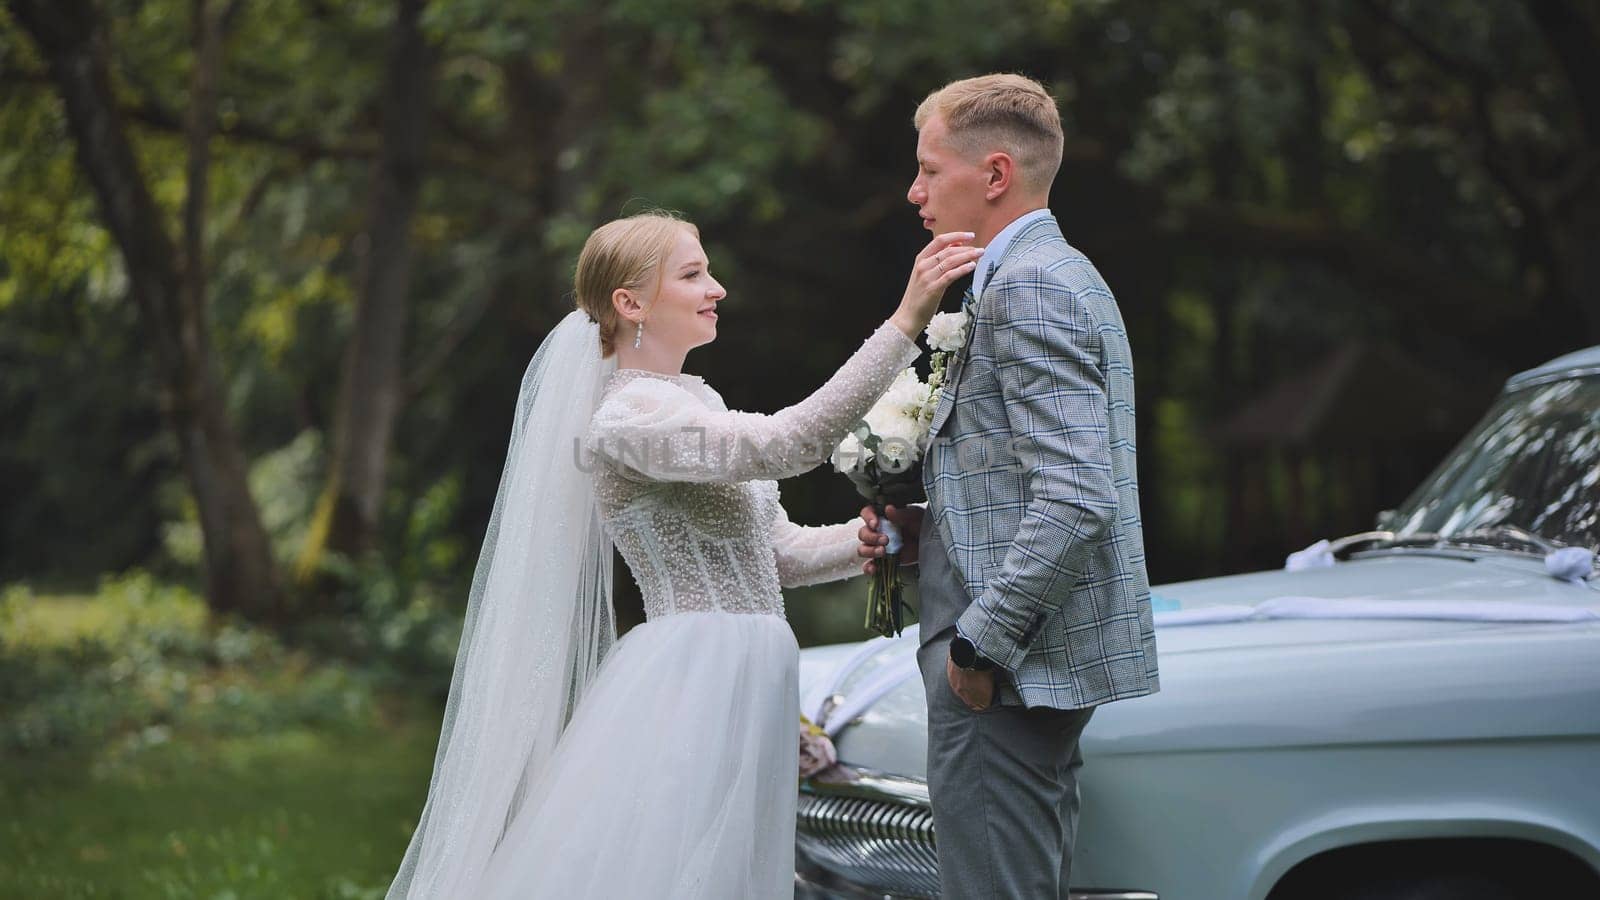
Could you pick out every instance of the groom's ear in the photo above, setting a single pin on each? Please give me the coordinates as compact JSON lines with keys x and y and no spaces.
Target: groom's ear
{"x":1001,"y":170}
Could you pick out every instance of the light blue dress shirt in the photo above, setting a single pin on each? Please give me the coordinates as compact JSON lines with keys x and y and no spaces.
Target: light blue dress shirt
{"x":993,"y":253}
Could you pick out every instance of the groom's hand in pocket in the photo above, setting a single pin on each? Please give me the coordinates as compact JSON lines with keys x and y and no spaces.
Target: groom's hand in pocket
{"x":976,"y":689}
{"x":873,"y":543}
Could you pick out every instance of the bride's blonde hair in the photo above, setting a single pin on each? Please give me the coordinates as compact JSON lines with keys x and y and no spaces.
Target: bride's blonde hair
{"x":623,"y":253}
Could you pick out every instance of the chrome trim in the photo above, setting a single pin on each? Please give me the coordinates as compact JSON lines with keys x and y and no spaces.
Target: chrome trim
{"x":872,"y":837}
{"x":1340,"y":545}
{"x":882,"y":846}
{"x":815,"y":886}
{"x":1437,"y":552}
{"x":1467,"y":544}
{"x":1545,"y":545}
{"x":1517,"y":382}
{"x":870,"y":784}
{"x":807,"y":889}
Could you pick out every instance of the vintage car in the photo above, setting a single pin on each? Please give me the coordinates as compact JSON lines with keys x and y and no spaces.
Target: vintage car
{"x":1412,"y":712}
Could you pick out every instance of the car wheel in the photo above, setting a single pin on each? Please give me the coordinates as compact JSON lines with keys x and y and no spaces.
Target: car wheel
{"x":1433,"y":869}
{"x":1434,"y":886}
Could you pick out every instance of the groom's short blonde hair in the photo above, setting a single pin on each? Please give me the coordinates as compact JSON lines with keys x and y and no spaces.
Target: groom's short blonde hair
{"x":1011,"y":113}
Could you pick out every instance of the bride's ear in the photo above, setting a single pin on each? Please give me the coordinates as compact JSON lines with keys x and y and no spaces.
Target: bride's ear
{"x":627,"y":304}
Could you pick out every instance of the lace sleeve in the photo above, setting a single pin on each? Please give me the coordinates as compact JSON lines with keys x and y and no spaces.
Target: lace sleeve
{"x":661,"y":431}
{"x":813,"y":554}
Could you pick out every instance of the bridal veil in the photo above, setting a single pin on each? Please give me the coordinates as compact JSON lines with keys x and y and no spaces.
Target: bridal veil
{"x":538,"y":622}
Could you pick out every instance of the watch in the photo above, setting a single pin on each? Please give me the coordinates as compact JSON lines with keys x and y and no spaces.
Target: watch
{"x":965,"y":655}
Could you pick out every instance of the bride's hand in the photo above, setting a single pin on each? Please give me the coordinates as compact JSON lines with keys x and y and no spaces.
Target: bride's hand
{"x":945,"y":259}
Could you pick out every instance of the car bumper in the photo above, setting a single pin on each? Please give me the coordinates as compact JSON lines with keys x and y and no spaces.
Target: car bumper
{"x":870,"y":834}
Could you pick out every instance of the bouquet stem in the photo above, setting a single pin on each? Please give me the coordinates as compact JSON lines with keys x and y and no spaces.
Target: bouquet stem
{"x":886,"y":592}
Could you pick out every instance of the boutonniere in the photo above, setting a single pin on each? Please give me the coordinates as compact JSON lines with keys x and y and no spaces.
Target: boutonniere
{"x":947,"y":334}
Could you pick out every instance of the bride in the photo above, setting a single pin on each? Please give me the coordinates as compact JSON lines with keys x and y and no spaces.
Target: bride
{"x":675,"y":775}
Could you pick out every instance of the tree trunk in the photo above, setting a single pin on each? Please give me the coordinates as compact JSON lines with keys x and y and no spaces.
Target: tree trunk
{"x":239,"y":571}
{"x":373,"y":385}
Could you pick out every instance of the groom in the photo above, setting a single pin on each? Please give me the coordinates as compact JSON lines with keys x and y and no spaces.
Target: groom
{"x":1035,"y":607}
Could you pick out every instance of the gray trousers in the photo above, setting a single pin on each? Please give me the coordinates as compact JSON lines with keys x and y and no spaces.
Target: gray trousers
{"x":1004,"y":785}
{"x":1004,"y":781}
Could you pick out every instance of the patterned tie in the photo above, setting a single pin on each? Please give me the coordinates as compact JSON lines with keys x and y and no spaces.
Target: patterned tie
{"x":969,"y":305}
{"x":969,"y":301}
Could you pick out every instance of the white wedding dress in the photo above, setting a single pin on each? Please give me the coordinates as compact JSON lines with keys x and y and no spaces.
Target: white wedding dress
{"x":677,"y":775}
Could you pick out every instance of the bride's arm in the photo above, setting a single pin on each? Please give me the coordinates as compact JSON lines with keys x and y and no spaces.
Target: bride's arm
{"x":813,"y":554}
{"x":660,"y":431}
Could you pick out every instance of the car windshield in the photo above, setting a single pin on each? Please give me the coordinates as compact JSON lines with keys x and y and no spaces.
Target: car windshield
{"x":1532,"y":463}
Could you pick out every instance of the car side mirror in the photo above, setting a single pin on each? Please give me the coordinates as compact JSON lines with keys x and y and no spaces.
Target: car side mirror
{"x":1386,"y":519}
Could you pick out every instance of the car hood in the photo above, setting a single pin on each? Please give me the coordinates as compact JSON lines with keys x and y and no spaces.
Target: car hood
{"x":1219,"y":678}
{"x":1459,"y":579}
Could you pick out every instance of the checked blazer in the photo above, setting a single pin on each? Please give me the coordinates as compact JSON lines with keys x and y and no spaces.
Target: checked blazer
{"x":1031,"y":481}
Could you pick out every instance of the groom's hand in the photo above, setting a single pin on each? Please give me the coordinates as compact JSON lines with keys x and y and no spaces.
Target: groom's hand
{"x":976,"y":689}
{"x":908,"y":520}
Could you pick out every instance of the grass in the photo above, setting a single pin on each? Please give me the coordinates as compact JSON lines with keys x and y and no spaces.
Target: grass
{"x":148,"y":751}
{"x":189,"y":797}
{"x":294,"y":814}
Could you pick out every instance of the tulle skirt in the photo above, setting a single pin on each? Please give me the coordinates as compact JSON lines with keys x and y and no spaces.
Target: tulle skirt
{"x":676,"y":777}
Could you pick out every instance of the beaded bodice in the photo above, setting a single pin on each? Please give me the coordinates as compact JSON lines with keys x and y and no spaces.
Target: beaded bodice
{"x":687,"y":488}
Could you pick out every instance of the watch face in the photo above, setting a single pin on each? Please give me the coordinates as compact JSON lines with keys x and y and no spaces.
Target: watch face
{"x":963,"y":652}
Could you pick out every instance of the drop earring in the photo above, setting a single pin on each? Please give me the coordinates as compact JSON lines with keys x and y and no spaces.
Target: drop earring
{"x":638,"y":335}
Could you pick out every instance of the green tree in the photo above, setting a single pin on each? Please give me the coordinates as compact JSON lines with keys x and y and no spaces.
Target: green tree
{"x":170,"y":286}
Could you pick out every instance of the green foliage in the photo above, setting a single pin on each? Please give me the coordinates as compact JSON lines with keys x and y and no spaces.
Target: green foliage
{"x":401,"y":613}
{"x":283,"y":481}
{"x":1261,"y":182}
{"x":139,"y":661}
{"x":1224,"y":155}
{"x":404,"y":627}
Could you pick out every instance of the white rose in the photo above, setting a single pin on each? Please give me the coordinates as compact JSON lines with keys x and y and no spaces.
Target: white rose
{"x":908,"y":427}
{"x":883,"y":413}
{"x":905,"y":397}
{"x":907,"y":378}
{"x":902,"y":437}
{"x":850,"y":455}
{"x":896,"y":454}
{"x":899,"y":419}
{"x":947,"y":331}
{"x":906,"y":391}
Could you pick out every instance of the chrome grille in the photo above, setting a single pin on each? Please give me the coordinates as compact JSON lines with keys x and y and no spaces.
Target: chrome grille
{"x":879,"y":845}
{"x":871,"y":835}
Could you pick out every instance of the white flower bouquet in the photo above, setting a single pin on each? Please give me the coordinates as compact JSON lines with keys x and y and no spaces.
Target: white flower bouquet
{"x":882,"y":457}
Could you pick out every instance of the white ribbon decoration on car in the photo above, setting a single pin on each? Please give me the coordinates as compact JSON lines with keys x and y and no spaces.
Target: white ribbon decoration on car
{"x":1316,"y":556}
{"x":862,"y":697}
{"x":816,"y":701}
{"x":1368,"y":608}
{"x":1570,"y":563}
